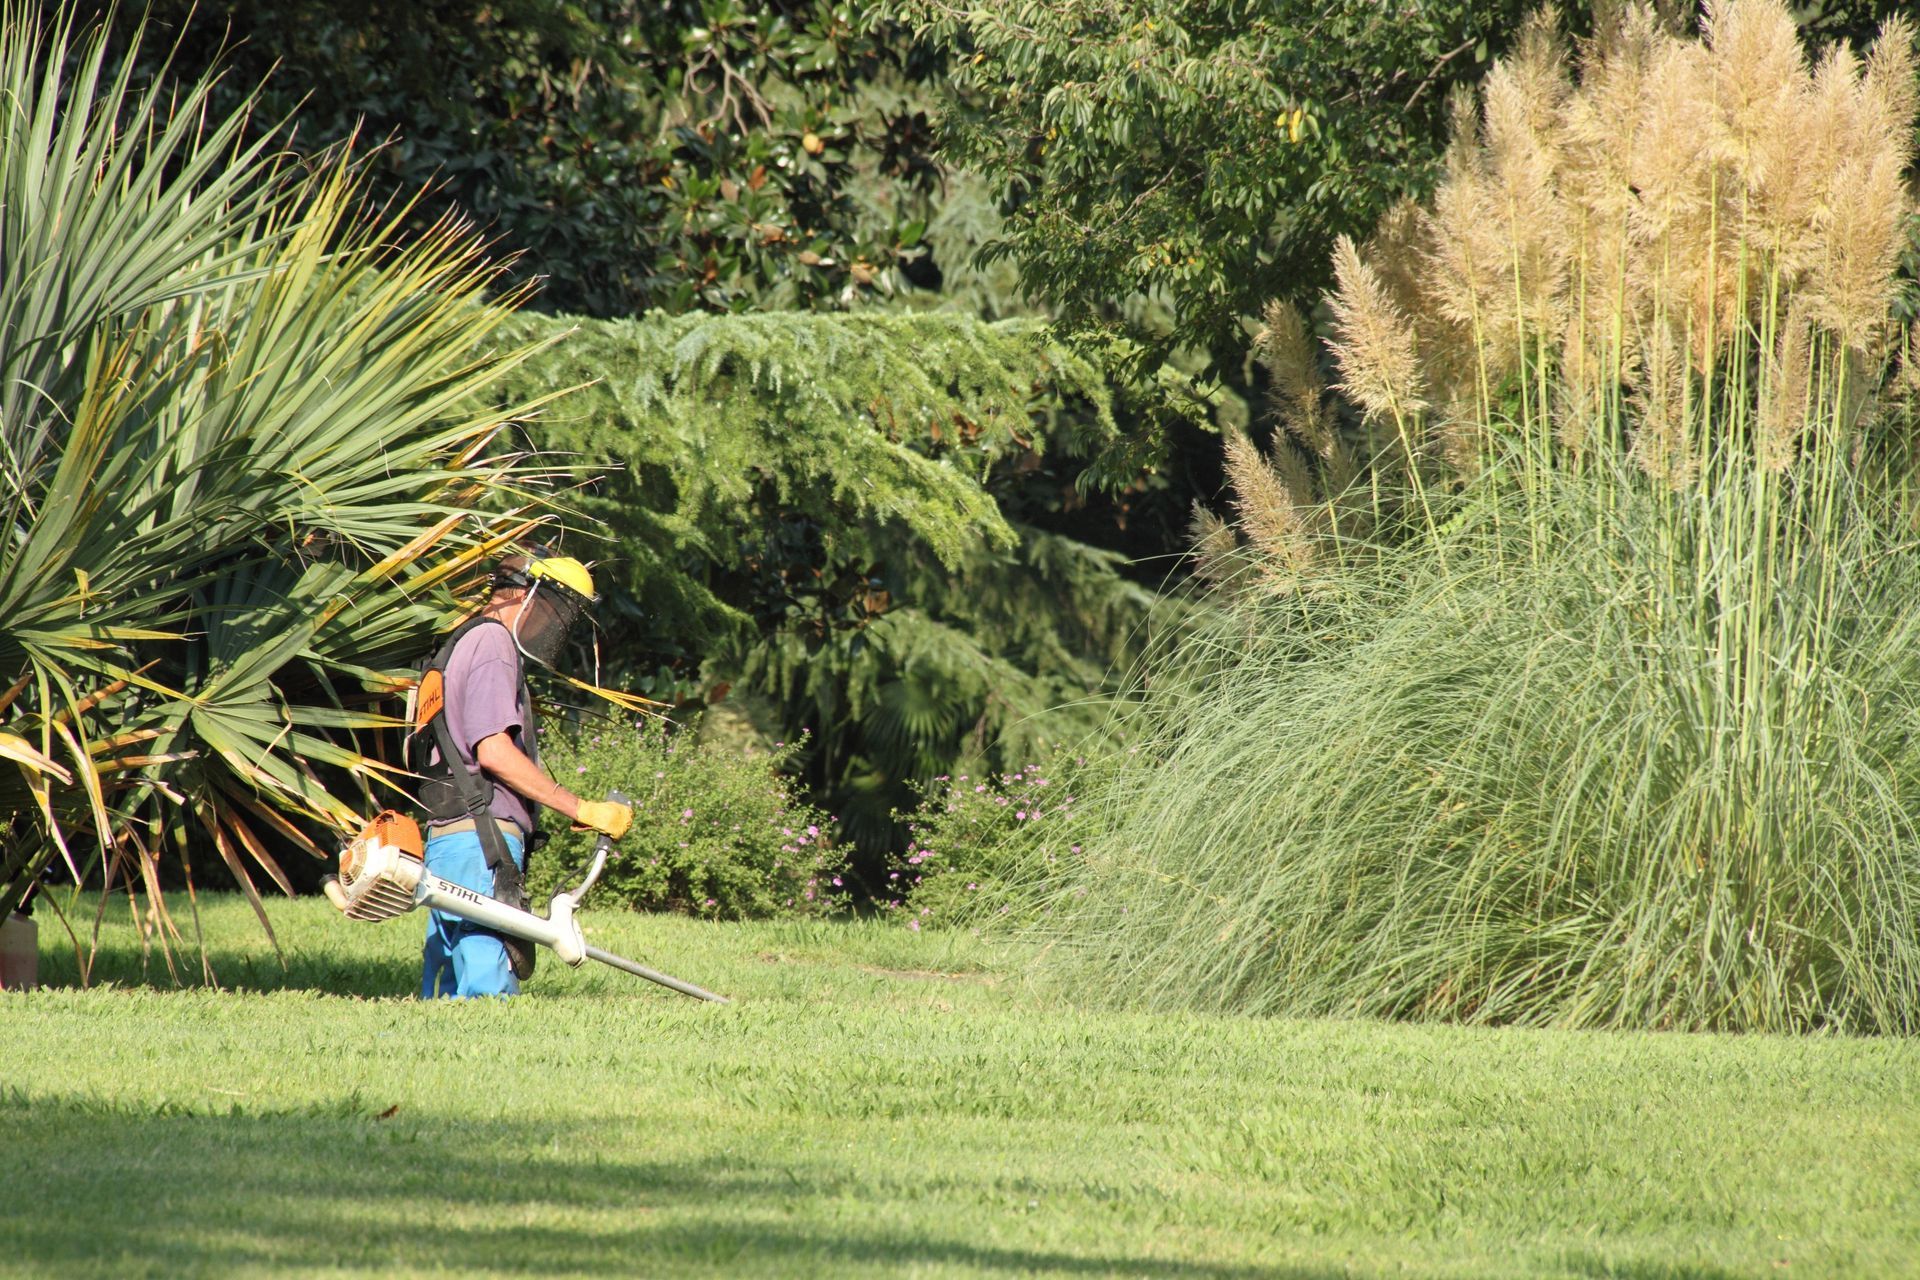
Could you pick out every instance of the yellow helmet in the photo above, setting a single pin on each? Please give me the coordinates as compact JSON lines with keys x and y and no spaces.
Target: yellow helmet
{"x":559,"y":591}
{"x":566,"y":571}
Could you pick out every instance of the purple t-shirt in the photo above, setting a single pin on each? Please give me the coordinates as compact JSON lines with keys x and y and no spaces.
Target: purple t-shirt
{"x":484,"y":698}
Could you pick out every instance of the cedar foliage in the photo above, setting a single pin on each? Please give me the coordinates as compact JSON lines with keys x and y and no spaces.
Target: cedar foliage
{"x":804,"y":506}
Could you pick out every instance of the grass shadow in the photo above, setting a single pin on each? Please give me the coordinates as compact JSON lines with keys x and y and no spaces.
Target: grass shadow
{"x":146,"y":1191}
{"x":387,"y":972}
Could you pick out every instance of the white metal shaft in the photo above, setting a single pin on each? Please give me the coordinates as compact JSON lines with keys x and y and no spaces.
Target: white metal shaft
{"x":561,"y":933}
{"x":458,"y":900}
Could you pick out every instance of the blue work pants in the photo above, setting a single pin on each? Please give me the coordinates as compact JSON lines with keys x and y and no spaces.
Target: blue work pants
{"x":461,"y":958}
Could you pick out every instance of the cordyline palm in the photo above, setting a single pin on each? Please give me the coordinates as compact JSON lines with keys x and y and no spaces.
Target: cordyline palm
{"x":248,"y":452}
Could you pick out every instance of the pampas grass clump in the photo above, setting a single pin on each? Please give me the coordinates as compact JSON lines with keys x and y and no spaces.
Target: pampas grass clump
{"x":1576,"y":678}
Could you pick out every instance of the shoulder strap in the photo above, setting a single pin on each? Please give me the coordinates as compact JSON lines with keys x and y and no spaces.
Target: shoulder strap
{"x":444,"y":654}
{"x":476,"y":791}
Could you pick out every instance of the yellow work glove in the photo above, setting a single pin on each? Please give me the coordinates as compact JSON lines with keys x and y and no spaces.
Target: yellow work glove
{"x":604,"y":816}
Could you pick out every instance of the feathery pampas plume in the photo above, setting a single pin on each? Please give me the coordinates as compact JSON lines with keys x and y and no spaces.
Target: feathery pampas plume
{"x":1374,"y":344}
{"x":1274,"y":500}
{"x":1784,"y":391}
{"x":1685,"y":223}
{"x":1213,"y":546}
{"x":1283,"y":347}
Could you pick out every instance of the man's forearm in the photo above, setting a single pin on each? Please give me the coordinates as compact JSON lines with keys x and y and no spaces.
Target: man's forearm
{"x":515,"y":770}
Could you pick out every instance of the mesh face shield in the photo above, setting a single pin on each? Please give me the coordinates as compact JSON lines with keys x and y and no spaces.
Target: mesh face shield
{"x":551,"y":612}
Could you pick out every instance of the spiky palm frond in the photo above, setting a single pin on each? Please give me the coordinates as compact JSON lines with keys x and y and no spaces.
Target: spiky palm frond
{"x":250,"y":451}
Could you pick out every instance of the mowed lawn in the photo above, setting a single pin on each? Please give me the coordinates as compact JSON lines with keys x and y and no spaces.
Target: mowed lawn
{"x":885,"y":1103}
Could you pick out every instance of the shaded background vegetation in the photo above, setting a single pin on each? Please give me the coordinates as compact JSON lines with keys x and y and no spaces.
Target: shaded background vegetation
{"x":1146,"y":174}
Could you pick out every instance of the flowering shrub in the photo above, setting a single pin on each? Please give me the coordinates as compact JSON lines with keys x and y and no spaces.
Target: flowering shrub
{"x":716,"y":832}
{"x":987,"y":848}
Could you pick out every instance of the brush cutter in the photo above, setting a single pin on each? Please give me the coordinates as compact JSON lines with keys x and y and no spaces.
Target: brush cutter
{"x":383,"y":874}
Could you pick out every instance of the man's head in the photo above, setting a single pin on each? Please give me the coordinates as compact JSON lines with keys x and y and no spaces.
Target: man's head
{"x":540,"y":598}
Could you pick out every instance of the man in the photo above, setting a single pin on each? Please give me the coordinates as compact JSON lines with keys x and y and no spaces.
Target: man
{"x":483,"y":811}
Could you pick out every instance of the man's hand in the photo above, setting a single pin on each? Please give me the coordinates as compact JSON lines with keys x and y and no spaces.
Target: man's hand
{"x":604,"y":816}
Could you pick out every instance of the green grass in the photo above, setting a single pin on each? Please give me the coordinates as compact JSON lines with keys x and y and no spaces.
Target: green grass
{"x":879,"y":1102}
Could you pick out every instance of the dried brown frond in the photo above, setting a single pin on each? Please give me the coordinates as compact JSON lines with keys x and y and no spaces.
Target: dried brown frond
{"x":1662,"y":446}
{"x":1284,"y":347}
{"x":1784,"y":408}
{"x":1374,"y":344}
{"x":1274,"y":501}
{"x":1214,"y":546}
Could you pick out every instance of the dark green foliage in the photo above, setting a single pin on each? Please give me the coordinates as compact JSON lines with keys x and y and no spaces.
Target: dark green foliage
{"x":986,"y":668}
{"x":1149,"y":149}
{"x":711,"y":154}
{"x":805,"y":505}
{"x":239,"y":459}
{"x":716,"y":831}
{"x":985,"y":849}
{"x":719,"y":436}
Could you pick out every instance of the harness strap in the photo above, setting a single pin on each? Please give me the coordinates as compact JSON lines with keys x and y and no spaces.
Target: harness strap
{"x":509,"y":886}
{"x":475,"y":790}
